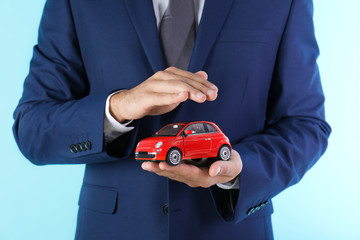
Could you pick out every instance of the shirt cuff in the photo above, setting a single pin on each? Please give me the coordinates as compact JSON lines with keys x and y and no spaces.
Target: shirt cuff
{"x":230,"y":185}
{"x":112,"y":128}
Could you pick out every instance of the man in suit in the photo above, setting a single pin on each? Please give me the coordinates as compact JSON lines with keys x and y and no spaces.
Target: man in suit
{"x":252,"y":71}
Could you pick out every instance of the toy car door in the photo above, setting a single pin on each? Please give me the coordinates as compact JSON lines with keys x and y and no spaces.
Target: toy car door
{"x":197,"y":143}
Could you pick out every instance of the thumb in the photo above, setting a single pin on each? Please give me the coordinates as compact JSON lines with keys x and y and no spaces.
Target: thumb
{"x":221,"y":168}
{"x":229,"y":168}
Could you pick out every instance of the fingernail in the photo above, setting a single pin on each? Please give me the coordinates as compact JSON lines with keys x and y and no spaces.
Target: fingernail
{"x":200,"y":95}
{"x":206,"y":75}
{"x":210,"y":92}
{"x":214,"y":87}
{"x":218,"y":171}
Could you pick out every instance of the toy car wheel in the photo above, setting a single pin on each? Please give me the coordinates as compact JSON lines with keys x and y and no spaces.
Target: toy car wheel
{"x":174,"y":157}
{"x":224,"y":153}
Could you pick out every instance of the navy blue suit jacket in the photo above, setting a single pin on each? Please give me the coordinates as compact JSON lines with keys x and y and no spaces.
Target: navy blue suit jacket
{"x":261,"y":55}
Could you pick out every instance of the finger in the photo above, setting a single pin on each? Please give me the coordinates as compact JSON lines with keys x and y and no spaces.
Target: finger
{"x":200,"y":76}
{"x":187,"y":171}
{"x":177,"y":86}
{"x":208,"y":88}
{"x":186,"y":74}
{"x":211,"y":93}
{"x":188,"y":174}
{"x":169,"y":175}
{"x":196,"y":81}
{"x":161,"y":171}
{"x":165,"y":99}
{"x":150,"y":166}
{"x":181,"y":168}
{"x":165,"y":167}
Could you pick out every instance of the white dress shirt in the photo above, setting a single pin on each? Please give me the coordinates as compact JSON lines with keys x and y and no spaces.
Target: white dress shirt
{"x":114,"y":129}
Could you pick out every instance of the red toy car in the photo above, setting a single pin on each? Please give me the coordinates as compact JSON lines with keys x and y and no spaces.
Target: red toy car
{"x":184,"y":140}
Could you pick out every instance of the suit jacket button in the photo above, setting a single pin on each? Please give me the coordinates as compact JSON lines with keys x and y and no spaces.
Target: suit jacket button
{"x":78,"y":147}
{"x":251,"y":211}
{"x":83,"y":147}
{"x":166,"y":209}
{"x":87,"y":145}
{"x":73,"y":148}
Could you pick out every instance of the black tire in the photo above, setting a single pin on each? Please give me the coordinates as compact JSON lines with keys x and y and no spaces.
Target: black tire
{"x":224,"y":153}
{"x":174,"y":157}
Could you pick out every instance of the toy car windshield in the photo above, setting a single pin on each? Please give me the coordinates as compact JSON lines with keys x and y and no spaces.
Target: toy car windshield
{"x":169,"y":130}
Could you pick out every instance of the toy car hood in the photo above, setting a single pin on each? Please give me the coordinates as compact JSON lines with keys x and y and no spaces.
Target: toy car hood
{"x":151,"y":140}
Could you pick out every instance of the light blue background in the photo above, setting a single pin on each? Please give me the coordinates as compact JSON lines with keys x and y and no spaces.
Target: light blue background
{"x":40,"y":203}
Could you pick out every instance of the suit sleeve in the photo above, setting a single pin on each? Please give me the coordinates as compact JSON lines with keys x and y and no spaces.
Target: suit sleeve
{"x":296,"y":133}
{"x":59,"y":119}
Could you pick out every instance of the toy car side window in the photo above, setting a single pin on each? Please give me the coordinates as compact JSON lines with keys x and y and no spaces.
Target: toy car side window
{"x":211,"y":128}
{"x":196,"y":128}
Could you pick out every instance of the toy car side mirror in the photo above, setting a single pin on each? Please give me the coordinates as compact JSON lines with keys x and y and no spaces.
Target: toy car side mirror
{"x":188,"y":132}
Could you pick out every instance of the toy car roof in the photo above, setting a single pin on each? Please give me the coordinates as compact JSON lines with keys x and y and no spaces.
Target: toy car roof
{"x":187,"y":122}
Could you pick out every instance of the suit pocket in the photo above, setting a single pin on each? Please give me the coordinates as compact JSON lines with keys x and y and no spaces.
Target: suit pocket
{"x":245,"y":35}
{"x":99,"y":199}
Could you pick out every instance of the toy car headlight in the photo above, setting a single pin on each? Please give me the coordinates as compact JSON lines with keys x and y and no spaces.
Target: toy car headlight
{"x":158,"y":144}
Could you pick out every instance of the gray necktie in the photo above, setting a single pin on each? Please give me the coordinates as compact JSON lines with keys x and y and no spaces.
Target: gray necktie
{"x":177,"y":33}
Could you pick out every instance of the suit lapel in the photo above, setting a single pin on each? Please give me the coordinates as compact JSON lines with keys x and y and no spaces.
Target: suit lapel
{"x":213,"y":17}
{"x":143,"y":18}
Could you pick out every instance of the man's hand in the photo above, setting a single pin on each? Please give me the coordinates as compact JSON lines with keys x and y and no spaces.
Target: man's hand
{"x":161,"y":93}
{"x":219,"y":171}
